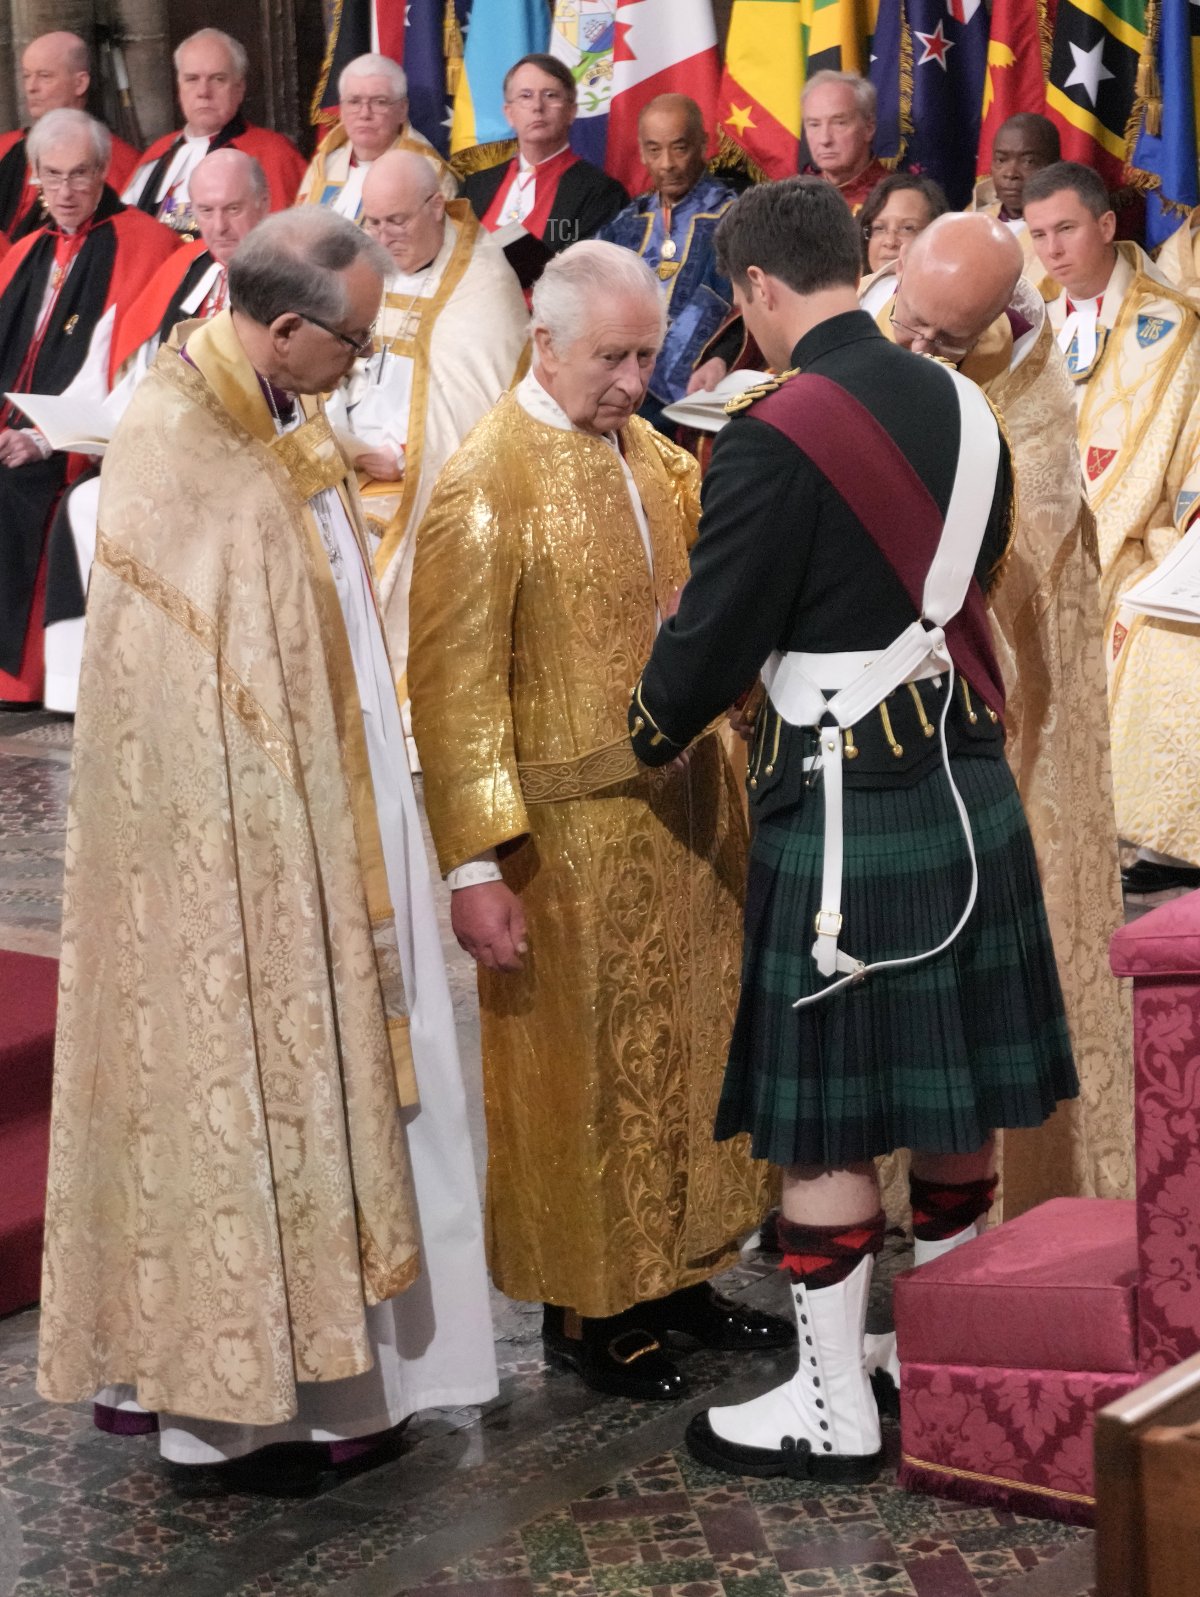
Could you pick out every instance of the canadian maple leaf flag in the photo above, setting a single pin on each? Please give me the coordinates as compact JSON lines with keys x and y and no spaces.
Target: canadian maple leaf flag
{"x":660,"y":47}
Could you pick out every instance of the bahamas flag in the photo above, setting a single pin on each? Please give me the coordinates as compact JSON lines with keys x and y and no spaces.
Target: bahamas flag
{"x":499,"y":32}
{"x":1093,"y":79}
{"x":758,"y":103}
{"x":1167,"y":143}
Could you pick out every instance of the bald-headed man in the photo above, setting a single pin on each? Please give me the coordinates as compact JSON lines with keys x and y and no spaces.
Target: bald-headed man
{"x":56,"y":74}
{"x":672,"y":228}
{"x":229,"y":197}
{"x":961,"y":297}
{"x":372,"y":118}
{"x":448,"y":342}
{"x":210,"y":81}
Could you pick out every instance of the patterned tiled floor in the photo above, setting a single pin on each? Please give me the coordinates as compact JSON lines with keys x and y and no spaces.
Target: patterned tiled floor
{"x":549,"y":1491}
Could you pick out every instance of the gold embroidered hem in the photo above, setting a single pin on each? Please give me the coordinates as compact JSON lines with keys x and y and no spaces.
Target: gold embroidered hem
{"x":229,"y":1184}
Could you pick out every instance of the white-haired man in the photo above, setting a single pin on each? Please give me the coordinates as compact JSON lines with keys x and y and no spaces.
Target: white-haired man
{"x":56,"y":74}
{"x":60,"y":289}
{"x":838,"y":112}
{"x":601,"y":907}
{"x":372,"y":118}
{"x":229,"y":197}
{"x":240,"y":1264}
{"x":210,"y":80}
{"x":448,"y":342}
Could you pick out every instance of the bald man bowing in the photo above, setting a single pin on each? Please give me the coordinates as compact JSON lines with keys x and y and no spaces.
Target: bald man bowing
{"x":960,"y":296}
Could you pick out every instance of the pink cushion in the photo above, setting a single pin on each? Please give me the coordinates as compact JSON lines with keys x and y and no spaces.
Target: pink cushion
{"x":1052,"y":1289}
{"x":1012,"y":1438}
{"x":1166,"y":942}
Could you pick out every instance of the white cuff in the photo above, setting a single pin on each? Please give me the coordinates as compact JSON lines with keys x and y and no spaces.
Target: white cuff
{"x":483,"y":868}
{"x":44,"y":447}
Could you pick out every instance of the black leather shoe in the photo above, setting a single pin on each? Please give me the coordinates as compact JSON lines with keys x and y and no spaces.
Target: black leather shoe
{"x":1144,"y":876}
{"x":700,"y":1312}
{"x":615,"y":1356}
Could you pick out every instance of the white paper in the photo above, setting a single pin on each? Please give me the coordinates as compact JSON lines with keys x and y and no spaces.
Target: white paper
{"x":706,"y":410}
{"x":1172,"y":590}
{"x":69,"y":423}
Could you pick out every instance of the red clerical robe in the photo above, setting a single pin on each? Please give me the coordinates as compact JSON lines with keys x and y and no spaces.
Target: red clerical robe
{"x":43,"y":348}
{"x":19,"y":212}
{"x":279,"y":158}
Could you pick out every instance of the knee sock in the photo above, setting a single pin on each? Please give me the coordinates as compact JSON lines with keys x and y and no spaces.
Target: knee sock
{"x":941,"y":1209}
{"x":823,"y":1255}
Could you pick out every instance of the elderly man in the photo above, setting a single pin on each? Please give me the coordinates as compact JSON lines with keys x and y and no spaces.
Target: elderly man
{"x":672,"y":229}
{"x":372,"y":118}
{"x":55,"y":75}
{"x":838,"y":113}
{"x":600,"y":904}
{"x":961,"y":298}
{"x":233,"y":1250}
{"x":447,"y":344}
{"x":229,"y":197}
{"x":60,"y":289}
{"x":1132,"y":345}
{"x":1026,"y":143}
{"x":554,"y":194}
{"x":210,"y":80}
{"x":905,"y":851}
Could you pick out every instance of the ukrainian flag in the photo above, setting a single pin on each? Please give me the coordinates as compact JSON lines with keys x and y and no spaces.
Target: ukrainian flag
{"x":499,"y":32}
{"x":1166,"y":145}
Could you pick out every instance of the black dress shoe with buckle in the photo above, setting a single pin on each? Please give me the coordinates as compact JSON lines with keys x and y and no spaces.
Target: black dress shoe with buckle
{"x":701,"y":1313}
{"x":616,"y":1355}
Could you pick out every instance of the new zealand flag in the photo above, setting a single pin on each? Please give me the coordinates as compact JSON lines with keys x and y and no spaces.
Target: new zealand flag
{"x":949,"y":63}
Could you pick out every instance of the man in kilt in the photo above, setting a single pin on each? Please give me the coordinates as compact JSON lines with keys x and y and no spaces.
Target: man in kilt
{"x":898,"y":982}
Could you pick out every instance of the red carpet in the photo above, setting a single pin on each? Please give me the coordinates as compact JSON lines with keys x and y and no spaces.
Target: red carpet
{"x":28,"y":993}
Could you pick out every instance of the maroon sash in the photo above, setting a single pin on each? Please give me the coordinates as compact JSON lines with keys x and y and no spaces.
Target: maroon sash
{"x":838,"y":433}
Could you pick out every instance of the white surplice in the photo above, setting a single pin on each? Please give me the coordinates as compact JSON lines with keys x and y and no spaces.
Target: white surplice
{"x":433,"y":1344}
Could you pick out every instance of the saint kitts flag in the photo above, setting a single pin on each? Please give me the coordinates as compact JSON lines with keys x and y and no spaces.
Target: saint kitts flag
{"x":1093,"y":78}
{"x":659,"y":47}
{"x":1015,"y":78}
{"x":410,"y":34}
{"x":758,"y":103}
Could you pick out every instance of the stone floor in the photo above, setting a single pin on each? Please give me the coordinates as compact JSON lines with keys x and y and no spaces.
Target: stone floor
{"x":549,"y":1491}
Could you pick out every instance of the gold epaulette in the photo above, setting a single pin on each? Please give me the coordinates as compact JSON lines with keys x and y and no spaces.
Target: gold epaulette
{"x":743,"y":401}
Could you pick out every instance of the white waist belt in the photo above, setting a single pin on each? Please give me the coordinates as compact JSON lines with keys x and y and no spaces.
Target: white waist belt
{"x":859,"y":682}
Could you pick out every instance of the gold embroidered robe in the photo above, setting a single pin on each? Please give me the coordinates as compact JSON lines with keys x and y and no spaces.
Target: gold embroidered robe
{"x":229,"y":1180}
{"x":532,"y":615}
{"x":331,"y":162}
{"x":1179,"y":258}
{"x":1046,"y":624}
{"x":1046,"y":627}
{"x":1139,"y":441}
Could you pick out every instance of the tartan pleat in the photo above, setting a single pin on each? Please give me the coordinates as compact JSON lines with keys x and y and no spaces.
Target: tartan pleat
{"x":934,"y":1057}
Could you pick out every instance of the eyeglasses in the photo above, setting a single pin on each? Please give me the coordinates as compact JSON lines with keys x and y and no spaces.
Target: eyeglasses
{"x":368,"y":102}
{"x":396,"y":224}
{"x":895,"y":229}
{"x":934,"y":340}
{"x":360,"y":345}
{"x":79,"y":177}
{"x":529,"y":97}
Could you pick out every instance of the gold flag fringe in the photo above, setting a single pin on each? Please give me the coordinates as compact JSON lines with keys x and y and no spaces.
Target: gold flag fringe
{"x":481,"y":156}
{"x":452,"y":50}
{"x":317,"y":116}
{"x":1147,"y":111}
{"x":1045,"y":38}
{"x":731,"y":156}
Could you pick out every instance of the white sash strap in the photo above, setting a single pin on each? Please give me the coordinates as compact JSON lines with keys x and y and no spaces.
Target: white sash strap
{"x":860,"y":681}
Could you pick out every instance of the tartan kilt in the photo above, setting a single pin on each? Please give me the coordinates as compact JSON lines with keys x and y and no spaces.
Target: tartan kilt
{"x":934,"y":1057}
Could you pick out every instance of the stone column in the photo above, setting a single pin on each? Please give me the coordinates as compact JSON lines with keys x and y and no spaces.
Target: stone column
{"x":9,"y":115}
{"x":143,"y":28}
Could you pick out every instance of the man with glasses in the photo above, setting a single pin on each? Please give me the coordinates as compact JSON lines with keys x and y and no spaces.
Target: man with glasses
{"x":56,"y":75}
{"x":547,"y":190}
{"x":447,"y":344}
{"x":234,"y":1255}
{"x":372,"y":118}
{"x":60,"y":289}
{"x":210,"y":80}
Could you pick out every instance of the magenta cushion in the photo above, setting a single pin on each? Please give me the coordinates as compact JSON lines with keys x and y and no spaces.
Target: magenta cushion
{"x":1166,"y":942}
{"x":1012,"y":1438}
{"x":1053,"y":1289}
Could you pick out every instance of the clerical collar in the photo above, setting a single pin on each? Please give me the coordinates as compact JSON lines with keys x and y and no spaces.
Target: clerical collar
{"x":541,"y":404}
